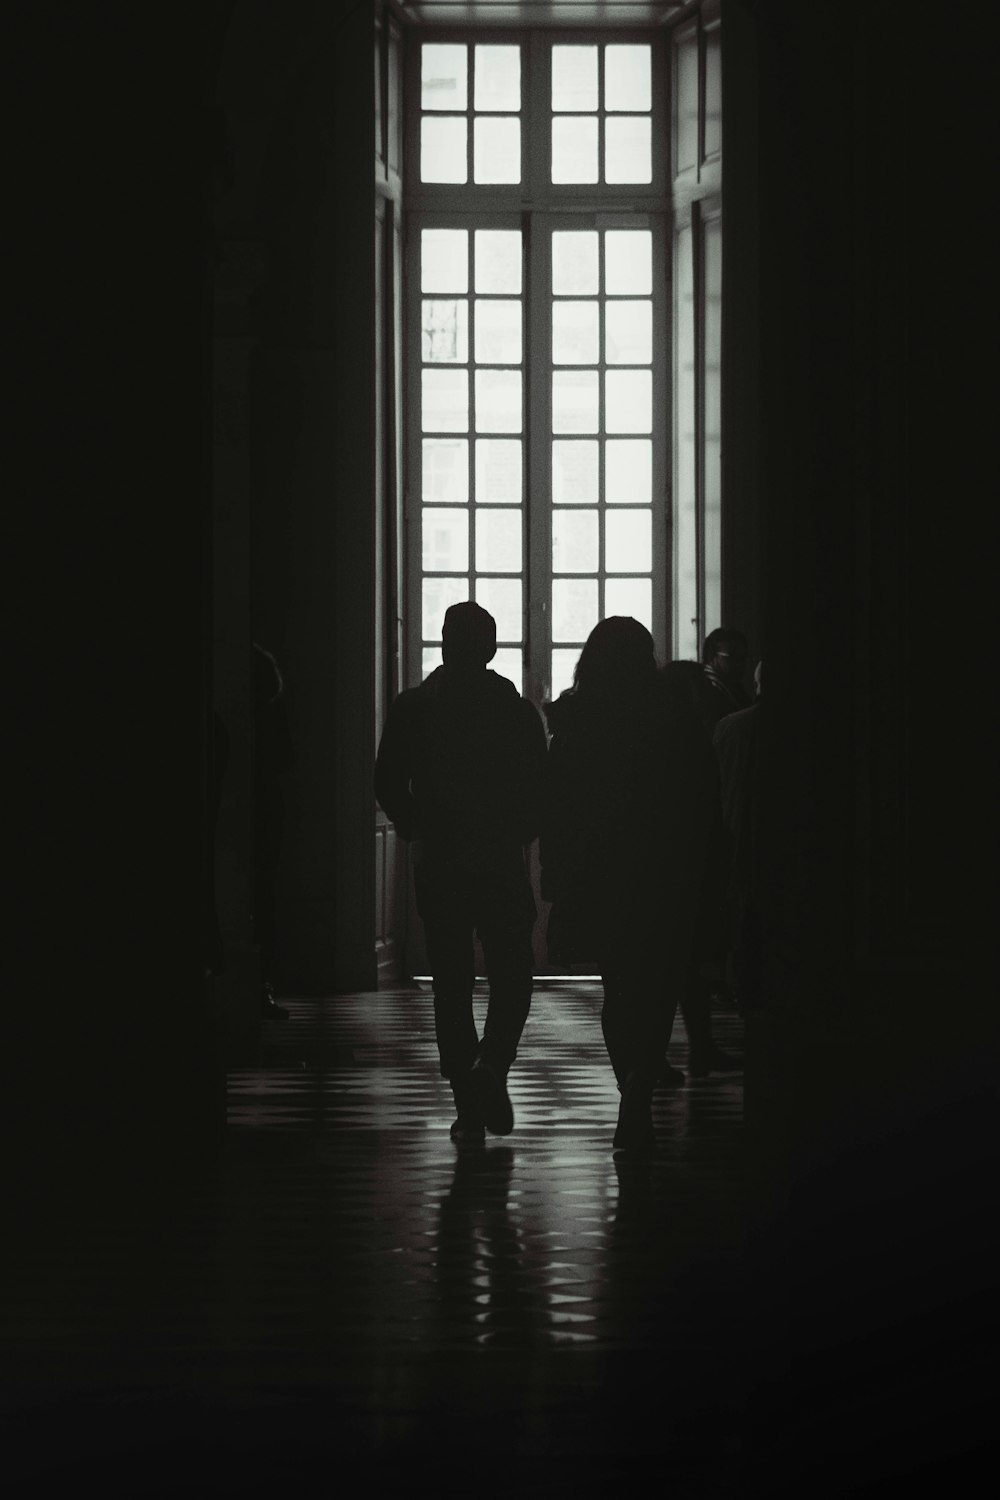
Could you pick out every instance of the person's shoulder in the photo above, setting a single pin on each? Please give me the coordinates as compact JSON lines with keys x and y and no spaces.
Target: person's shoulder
{"x":501,"y":687}
{"x":562,"y":712}
{"x":505,"y":695}
{"x":411,"y":700}
{"x":736,"y":723}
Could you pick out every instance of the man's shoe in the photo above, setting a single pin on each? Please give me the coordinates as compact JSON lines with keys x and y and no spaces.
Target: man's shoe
{"x":465,"y":1132}
{"x":490,"y":1098}
{"x":635,"y":1133}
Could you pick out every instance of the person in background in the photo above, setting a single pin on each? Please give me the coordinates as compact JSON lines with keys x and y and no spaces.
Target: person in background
{"x":685,"y":680}
{"x":273,"y":755}
{"x":736,"y":741}
{"x":724,"y":661}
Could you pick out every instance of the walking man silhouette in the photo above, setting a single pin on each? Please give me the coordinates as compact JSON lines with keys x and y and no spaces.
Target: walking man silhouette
{"x":459,"y":772}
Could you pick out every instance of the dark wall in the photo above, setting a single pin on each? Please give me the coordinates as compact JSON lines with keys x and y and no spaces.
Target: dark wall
{"x":870,"y":1070}
{"x":299,"y":112}
{"x":112,"y":1050}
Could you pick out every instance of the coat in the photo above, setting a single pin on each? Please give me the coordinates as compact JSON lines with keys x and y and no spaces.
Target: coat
{"x":630,"y":805}
{"x":459,"y":769}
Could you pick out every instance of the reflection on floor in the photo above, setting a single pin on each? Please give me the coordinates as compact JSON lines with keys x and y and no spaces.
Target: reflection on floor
{"x":353,"y":1288}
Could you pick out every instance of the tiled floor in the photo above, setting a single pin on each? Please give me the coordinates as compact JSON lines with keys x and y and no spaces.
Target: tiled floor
{"x":352,"y":1289}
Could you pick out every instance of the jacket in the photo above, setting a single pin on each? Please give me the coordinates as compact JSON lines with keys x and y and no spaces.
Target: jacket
{"x":459,"y":768}
{"x":630,"y":803}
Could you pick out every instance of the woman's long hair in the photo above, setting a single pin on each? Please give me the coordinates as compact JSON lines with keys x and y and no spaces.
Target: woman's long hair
{"x":617,"y":661}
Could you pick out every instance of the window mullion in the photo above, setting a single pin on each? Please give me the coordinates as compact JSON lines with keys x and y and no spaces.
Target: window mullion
{"x":537,"y":407}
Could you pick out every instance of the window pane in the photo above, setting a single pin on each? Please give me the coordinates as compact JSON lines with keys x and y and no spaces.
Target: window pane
{"x":445,"y":331}
{"x":445,"y":540}
{"x":445,"y":476}
{"x":574,"y":149}
{"x":630,"y":596}
{"x":443,"y":155}
{"x":446,"y":401}
{"x":444,"y":260}
{"x":497,"y":144}
{"x":574,"y":78}
{"x":502,"y":597}
{"x":498,"y":78}
{"x":498,"y":401}
{"x":628,"y":401}
{"x":628,"y":149}
{"x":498,"y":471}
{"x":498,"y":541}
{"x":686,"y":104}
{"x":509,"y":663}
{"x":575,"y":333}
{"x":574,"y":541}
{"x":430,"y":660}
{"x":498,"y":332}
{"x":627,"y":78}
{"x":628,"y":541}
{"x":628,"y":262}
{"x":628,"y":333}
{"x":574,"y":473}
{"x":574,"y":608}
{"x":574,"y":401}
{"x":713,"y":92}
{"x":574,"y":262}
{"x":563,"y":666}
{"x":440,"y":594}
{"x":628,"y":471}
{"x":443,"y":77}
{"x":498,"y":260}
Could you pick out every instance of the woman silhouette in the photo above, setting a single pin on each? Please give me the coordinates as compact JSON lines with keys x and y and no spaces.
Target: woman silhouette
{"x":630,"y":795}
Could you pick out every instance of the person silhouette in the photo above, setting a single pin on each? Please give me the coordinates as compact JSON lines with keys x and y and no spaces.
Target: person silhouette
{"x":631,"y":790}
{"x":458,"y":771}
{"x":686,"y":680}
{"x":273,"y":757}
{"x":737,"y":740}
{"x":724,"y":660}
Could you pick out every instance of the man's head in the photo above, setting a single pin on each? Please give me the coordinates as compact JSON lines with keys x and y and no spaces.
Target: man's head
{"x":468,"y":637}
{"x":725,"y":651}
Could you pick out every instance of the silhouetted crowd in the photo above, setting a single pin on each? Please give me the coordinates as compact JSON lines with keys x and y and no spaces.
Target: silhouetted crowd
{"x":642,"y":798}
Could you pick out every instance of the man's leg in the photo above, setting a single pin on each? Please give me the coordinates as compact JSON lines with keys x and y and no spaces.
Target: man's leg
{"x":506,"y":917}
{"x":640,"y":1000}
{"x":505,"y":925}
{"x":448,"y":931}
{"x":626,"y":1017}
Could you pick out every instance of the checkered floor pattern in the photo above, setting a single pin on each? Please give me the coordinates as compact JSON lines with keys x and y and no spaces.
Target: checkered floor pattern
{"x":355,"y":1289}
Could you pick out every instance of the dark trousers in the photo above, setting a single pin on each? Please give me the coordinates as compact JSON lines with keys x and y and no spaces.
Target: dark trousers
{"x":696,"y":1008}
{"x":642,"y":990}
{"x":455,"y":903}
